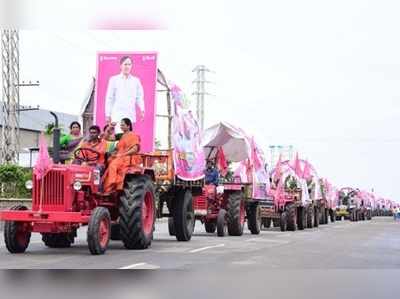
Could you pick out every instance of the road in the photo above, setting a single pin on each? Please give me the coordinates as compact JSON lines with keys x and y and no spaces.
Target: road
{"x":340,"y":245}
{"x":339,"y":260}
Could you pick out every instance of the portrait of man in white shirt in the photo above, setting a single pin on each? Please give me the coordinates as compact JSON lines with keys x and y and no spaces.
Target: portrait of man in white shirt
{"x":124,"y":93}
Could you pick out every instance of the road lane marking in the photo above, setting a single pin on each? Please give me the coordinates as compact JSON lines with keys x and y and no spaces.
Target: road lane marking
{"x":132,"y":266}
{"x":263,"y":240}
{"x":205,"y":248}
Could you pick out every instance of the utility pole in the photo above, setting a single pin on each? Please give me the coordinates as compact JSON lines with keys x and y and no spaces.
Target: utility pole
{"x":200,"y":92}
{"x":10,"y":96}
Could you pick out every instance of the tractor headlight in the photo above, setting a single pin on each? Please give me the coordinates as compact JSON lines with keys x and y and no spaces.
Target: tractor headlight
{"x":77,"y":186}
{"x":29,"y":184}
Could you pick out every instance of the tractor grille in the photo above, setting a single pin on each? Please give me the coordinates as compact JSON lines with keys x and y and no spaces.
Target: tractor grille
{"x":53,"y":193}
{"x":200,"y":203}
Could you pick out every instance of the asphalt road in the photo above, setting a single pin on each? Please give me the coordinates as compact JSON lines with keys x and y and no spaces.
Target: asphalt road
{"x":339,"y":260}
{"x":342,"y":245}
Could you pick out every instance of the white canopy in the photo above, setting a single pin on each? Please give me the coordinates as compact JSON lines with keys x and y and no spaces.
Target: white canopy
{"x":233,"y":141}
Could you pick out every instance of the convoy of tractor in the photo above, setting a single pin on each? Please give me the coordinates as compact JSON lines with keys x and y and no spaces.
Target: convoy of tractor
{"x":290,"y":197}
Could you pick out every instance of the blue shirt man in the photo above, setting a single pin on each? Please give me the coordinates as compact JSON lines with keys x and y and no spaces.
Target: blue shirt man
{"x":211,"y":174}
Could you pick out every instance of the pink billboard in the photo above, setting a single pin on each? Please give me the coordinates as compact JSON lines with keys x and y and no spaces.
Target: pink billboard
{"x":126,"y":88}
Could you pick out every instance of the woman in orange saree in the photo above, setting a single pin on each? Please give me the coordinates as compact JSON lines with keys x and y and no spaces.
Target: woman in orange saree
{"x":125,"y":156}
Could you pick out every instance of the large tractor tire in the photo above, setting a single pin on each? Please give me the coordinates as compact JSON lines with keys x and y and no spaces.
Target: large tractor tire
{"x":326,"y":216}
{"x":310,"y":217}
{"x":221,"y":223}
{"x":61,"y":240}
{"x":171,"y":228}
{"x":210,"y":227}
{"x":291,"y":219}
{"x":254,"y":218}
{"x":322,"y":216}
{"x":235,"y":214}
{"x":266,"y":222}
{"x":301,"y":218}
{"x":137,"y":212}
{"x":276,"y":222}
{"x":99,"y":231}
{"x":316,"y":217}
{"x":16,"y":237}
{"x":283,"y":222}
{"x":184,"y":215}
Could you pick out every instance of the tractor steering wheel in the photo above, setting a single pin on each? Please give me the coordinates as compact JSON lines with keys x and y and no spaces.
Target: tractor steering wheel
{"x":82,"y":154}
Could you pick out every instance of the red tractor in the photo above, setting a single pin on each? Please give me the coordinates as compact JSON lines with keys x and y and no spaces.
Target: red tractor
{"x":225,"y":206}
{"x":68,"y":197}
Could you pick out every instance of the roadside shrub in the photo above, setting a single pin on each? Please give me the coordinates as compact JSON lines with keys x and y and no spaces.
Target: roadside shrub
{"x":12,"y":181}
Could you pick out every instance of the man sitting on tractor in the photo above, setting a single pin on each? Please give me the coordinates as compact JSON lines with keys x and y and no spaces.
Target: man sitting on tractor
{"x":91,"y":151}
{"x":211,"y":174}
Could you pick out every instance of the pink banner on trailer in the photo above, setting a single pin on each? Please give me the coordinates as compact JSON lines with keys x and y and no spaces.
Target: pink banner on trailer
{"x":126,"y":88}
{"x":188,"y":155}
{"x":260,"y":175}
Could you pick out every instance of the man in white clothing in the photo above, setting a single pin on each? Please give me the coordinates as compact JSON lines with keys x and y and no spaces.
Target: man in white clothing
{"x":124,"y":92}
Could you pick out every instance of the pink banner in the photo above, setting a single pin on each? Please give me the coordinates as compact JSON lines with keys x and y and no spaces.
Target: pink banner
{"x":260,"y":175}
{"x":189,"y":160}
{"x":126,"y":88}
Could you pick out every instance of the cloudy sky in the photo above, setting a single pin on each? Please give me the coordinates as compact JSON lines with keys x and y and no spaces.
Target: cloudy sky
{"x":323,"y":76}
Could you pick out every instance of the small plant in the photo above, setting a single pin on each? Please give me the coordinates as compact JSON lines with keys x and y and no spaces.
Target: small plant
{"x":12,"y":181}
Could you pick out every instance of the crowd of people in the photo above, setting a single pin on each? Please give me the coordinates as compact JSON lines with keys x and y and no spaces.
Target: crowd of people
{"x":105,"y":150}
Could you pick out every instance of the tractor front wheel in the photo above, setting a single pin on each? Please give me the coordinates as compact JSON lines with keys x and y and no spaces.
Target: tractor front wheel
{"x":310,"y":217}
{"x":16,"y":236}
{"x":235,"y":214}
{"x":99,"y":231}
{"x":291,"y":219}
{"x":210,"y":227}
{"x":171,"y":228}
{"x":254,"y":219}
{"x":221,"y":223}
{"x":184,"y":215}
{"x":316,"y":217}
{"x":283,"y":222}
{"x":137,"y":213}
{"x":301,"y":218}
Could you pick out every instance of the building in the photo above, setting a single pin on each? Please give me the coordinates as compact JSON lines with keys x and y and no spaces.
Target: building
{"x":32,"y":123}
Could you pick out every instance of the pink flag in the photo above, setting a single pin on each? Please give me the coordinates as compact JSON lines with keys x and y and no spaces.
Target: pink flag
{"x":221,"y":162}
{"x":256,"y":159}
{"x":297,"y":166}
{"x":278,"y":191}
{"x":307,"y":172}
{"x":43,"y":161}
{"x":278,"y":171}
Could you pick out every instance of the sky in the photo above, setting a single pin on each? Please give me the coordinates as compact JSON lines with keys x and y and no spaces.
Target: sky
{"x":320,"y":75}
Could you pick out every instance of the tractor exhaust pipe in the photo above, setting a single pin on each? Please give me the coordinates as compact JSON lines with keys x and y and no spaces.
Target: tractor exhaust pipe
{"x":56,"y":139}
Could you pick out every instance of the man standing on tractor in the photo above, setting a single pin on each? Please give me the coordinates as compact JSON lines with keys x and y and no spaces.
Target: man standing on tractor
{"x":211,"y":174}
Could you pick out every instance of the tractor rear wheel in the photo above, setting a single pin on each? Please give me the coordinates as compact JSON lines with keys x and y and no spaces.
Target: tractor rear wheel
{"x":254,"y":218}
{"x":171,"y":228}
{"x":326,"y":216}
{"x":291,"y":219}
{"x":221,"y":223}
{"x":16,"y":237}
{"x":235,"y":214}
{"x":137,"y":213}
{"x":322,"y":216}
{"x":301,"y":218}
{"x":99,"y":231}
{"x":266,"y":222}
{"x":283,"y":222}
{"x":61,"y":240}
{"x":184,"y":215}
{"x":310,"y":217}
{"x":210,"y":227}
